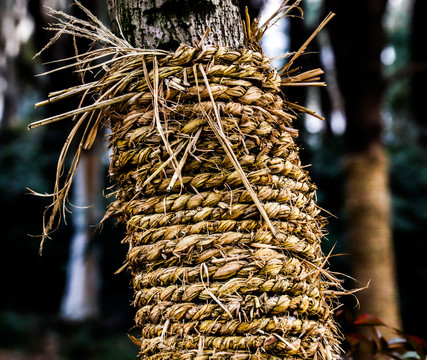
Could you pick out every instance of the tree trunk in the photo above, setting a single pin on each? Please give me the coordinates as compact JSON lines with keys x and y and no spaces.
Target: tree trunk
{"x":81,"y":297}
{"x":11,"y":59}
{"x":419,"y":65}
{"x":357,"y":37}
{"x":212,"y":276}
{"x":368,"y":210}
{"x":223,"y":230}
{"x":165,"y":24}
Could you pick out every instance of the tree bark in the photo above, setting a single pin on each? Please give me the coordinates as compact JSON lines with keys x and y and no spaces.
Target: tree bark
{"x":368,"y":209}
{"x":164,"y":24}
{"x":357,"y":37}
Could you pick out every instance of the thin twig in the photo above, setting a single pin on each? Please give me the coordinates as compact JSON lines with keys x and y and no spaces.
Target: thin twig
{"x":304,"y":46}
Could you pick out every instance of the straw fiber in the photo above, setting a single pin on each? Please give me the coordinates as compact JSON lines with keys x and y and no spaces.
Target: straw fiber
{"x":223,"y":231}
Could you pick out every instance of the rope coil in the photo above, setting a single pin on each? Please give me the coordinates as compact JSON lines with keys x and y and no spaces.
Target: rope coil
{"x":228,"y":288}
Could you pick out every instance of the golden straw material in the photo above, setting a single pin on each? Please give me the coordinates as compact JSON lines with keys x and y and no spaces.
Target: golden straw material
{"x":223,"y":231}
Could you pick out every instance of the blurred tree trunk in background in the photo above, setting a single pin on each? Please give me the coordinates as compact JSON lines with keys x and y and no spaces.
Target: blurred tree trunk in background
{"x":419,"y":68}
{"x":15,"y":29}
{"x":7,"y":85}
{"x":80,"y":300}
{"x":357,"y":37}
{"x":81,"y":296}
{"x":82,"y":277}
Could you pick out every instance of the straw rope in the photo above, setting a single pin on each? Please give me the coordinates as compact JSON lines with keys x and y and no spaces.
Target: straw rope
{"x":223,"y":230}
{"x":209,"y":275}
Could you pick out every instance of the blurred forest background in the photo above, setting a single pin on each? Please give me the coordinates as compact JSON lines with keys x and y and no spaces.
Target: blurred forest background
{"x":70,"y":304}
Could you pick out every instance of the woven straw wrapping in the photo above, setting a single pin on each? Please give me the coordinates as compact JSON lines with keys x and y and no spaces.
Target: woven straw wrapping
{"x":212,"y":280}
{"x":224,"y":235}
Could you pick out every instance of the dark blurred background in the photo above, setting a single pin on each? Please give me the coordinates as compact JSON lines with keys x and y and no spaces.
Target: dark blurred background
{"x":69,"y":303}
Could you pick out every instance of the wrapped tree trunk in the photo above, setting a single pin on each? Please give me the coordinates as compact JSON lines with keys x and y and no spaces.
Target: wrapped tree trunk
{"x":223,"y":231}
{"x":367,"y":193}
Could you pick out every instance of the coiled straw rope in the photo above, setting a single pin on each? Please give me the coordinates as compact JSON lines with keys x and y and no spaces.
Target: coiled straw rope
{"x":223,"y":231}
